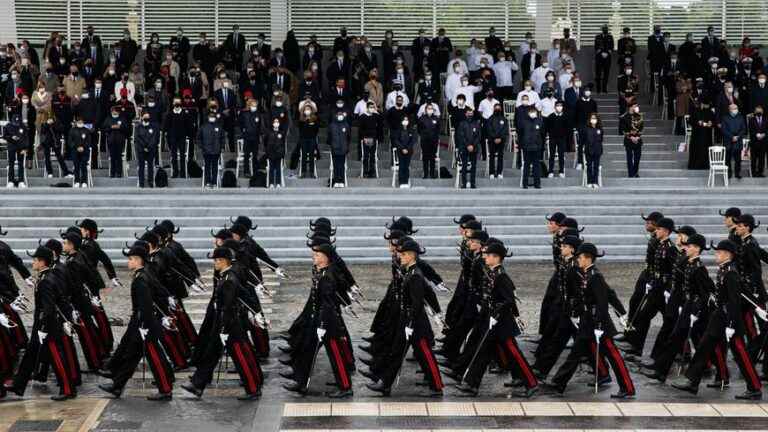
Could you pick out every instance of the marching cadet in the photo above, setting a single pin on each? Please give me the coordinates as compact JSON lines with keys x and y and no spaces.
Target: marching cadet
{"x":658,"y":287}
{"x":413,"y":327}
{"x":750,"y":271}
{"x":227,"y":333}
{"x":84,"y":274}
{"x":595,"y":327}
{"x":12,"y":300}
{"x":429,"y":140}
{"x":89,"y":231}
{"x":47,"y":329}
{"x":254,"y":248}
{"x":141,"y":336}
{"x":501,"y":322}
{"x":730,"y":215}
{"x":327,"y":324}
{"x":468,"y":143}
{"x":116,"y":129}
{"x":694,"y":292}
{"x":177,"y":248}
{"x":725,"y":327}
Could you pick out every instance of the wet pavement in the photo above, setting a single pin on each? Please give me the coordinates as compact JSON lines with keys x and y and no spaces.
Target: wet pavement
{"x":656,"y":407}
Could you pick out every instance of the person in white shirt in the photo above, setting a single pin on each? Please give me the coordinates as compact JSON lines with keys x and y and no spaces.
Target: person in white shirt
{"x":463,"y":70}
{"x":565,"y":78}
{"x":548,"y":104}
{"x":533,"y":97}
{"x":452,"y":82}
{"x":392,"y":96}
{"x":503,"y":71}
{"x":486,"y":105}
{"x":361,"y":106}
{"x":468,"y":91}
{"x":472,"y":53}
{"x":429,"y":104}
{"x":539,"y":75}
{"x":525,"y":45}
{"x":482,"y":57}
{"x":125,"y":84}
{"x":553,"y":55}
{"x":307,"y":101}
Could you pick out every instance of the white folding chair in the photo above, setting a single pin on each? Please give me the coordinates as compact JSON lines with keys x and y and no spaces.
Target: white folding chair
{"x":452,"y":146}
{"x":522,"y":168}
{"x":458,"y":164}
{"x":240,"y":155}
{"x":717,"y":165}
{"x":395,"y":167}
{"x":688,"y":130}
{"x":745,"y":150}
{"x":576,"y":160}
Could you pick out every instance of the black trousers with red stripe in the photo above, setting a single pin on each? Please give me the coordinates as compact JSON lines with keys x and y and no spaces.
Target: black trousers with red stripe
{"x":654,"y":305}
{"x":713,"y":346}
{"x":19,"y":333}
{"x":51,"y":351}
{"x":176,"y":348}
{"x":242,"y":356}
{"x":550,"y":348}
{"x":259,"y":339}
{"x":7,"y":356}
{"x":422,"y":351}
{"x":186,"y":328}
{"x":507,"y":353}
{"x":676,"y":341}
{"x":90,"y":342}
{"x":133,"y":349}
{"x":337,"y":351}
{"x":584,"y":347}
{"x":105,"y":330}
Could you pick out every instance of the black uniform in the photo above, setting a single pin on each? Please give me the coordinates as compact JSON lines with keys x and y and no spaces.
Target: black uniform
{"x":603,"y":48}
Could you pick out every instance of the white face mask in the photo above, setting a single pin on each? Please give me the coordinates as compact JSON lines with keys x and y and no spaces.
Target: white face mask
{"x":80,"y":124}
{"x":593,"y":122}
{"x":85,"y":96}
{"x":226,"y":84}
{"x":150,"y":104}
{"x":405,"y":124}
{"x":211,"y":119}
{"x":158,"y":86}
{"x":275,"y":126}
{"x":252,"y":108}
{"x":278,"y":104}
{"x":527,"y":88}
{"x":430,"y":111}
{"x":559,"y":109}
{"x":340,"y":105}
{"x":761,"y":81}
{"x":97,"y":86}
{"x":115,"y":115}
{"x":550,"y":78}
{"x":587,"y":93}
{"x":464,"y":83}
{"x":577,"y":83}
{"x":25,"y":101}
{"x":177,"y":110}
{"x":532,"y":115}
{"x":637,"y":110}
{"x":307,"y":112}
{"x":629,"y":72}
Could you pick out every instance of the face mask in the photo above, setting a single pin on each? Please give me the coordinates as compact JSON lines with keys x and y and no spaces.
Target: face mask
{"x":637,"y":110}
{"x":226,"y":84}
{"x":145,"y":122}
{"x":25,"y":101}
{"x":400,"y":71}
{"x":339,"y":104}
{"x":734,"y":113}
{"x":559,"y":108}
{"x":307,"y":112}
{"x":158,"y":86}
{"x":427,"y":77}
{"x":527,"y":88}
{"x":15,"y":77}
{"x":211,"y":119}
{"x":593,"y":122}
{"x":115,"y":115}
{"x":629,"y":72}
{"x":177,"y":109}
{"x":278,"y":104}
{"x":550,"y":78}
{"x":430,"y":111}
{"x":97,"y":86}
{"x":761,"y":81}
{"x":85,"y":96}
{"x":729,"y":90}
{"x":311,"y":51}
{"x":532,"y":115}
{"x":577,"y":83}
{"x":456,"y":69}
{"x":80,"y":124}
{"x":275,"y":126}
{"x":405,"y":124}
{"x":587,"y":93}
{"x":151,"y":104}
{"x":112,"y":73}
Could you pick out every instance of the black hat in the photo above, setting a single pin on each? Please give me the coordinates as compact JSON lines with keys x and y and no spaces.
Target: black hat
{"x":73,"y":238}
{"x":54,"y":245}
{"x":88,"y":224}
{"x":232,"y":244}
{"x":474,"y":225}
{"x":479,"y":235}
{"x":570,"y":232}
{"x":463,"y":219}
{"x":149,"y":237}
{"x":318,"y":239}
{"x":160,"y":231}
{"x":169,"y":226}
{"x":411,"y":245}
{"x":653,"y":217}
{"x":589,"y":249}
{"x":244,"y":220}
{"x":696,"y":239}
{"x":222,"y":252}
{"x":403,"y":223}
{"x":571,"y":240}
{"x":239,"y":229}
{"x":492,"y":240}
{"x":570,"y":223}
{"x":748,"y":220}
{"x":320,"y":220}
{"x":137,"y":250}
{"x":666,"y":223}
{"x":556,"y":217}
{"x":726,"y":245}
{"x":325,"y":248}
{"x":394,"y":235}
{"x":42,"y":253}
{"x":323,"y":228}
{"x":686,"y":230}
{"x":497,"y":248}
{"x":730,"y":212}
{"x":222,"y":234}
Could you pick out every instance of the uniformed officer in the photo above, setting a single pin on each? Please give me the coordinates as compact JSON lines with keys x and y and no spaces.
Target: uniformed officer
{"x":604,"y":46}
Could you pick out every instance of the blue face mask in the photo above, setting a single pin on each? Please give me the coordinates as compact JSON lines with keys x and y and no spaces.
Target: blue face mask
{"x":734,"y":113}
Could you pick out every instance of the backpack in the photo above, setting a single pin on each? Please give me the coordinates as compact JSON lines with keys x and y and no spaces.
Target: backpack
{"x":161,"y":178}
{"x":229,"y":179}
{"x":193,"y":169}
{"x":445,"y":173}
{"x":258,"y":179}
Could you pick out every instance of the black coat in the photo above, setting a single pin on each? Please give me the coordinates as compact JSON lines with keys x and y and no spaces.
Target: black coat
{"x":531,"y":134}
{"x":468,"y":133}
{"x":592,"y":140}
{"x":147,"y":138}
{"x":210,"y":138}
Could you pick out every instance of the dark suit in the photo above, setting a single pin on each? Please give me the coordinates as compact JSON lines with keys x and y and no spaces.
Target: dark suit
{"x":228,"y":108}
{"x":758,"y":146}
{"x":525,"y":65}
{"x":336,"y":71}
{"x":92,"y":48}
{"x":234,"y":46}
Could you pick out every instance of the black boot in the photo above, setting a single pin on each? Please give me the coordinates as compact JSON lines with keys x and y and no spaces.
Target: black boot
{"x":111,"y":389}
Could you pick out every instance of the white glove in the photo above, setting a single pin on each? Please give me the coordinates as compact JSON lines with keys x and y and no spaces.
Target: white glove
{"x":281,"y":273}
{"x":648,"y":288}
{"x":729,"y":332}
{"x":261,"y":320}
{"x":520,"y":324}
{"x":575,"y":322}
{"x":172,"y":303}
{"x":75,"y":316}
{"x":694,"y":318}
{"x":200,"y":283}
{"x":4,"y":77}
{"x":196,"y":288}
{"x":41,"y":336}
{"x":116,"y":283}
{"x":408,"y":333}
{"x":760,"y":312}
{"x":67,"y":327}
{"x":441,"y":287}
{"x":224,"y":337}
{"x":95,"y":301}
{"x":491,"y":322}
{"x":320,"y":333}
{"x":6,"y":322}
{"x":168,"y":323}
{"x":667,"y":295}
{"x":605,"y":55}
{"x":143,"y":333}
{"x":30,"y":281}
{"x":354,"y":289}
{"x":438,"y":318}
{"x":261,"y":290}
{"x":348,"y":309}
{"x":17,"y":307}
{"x":598,"y":334}
{"x":624,"y":321}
